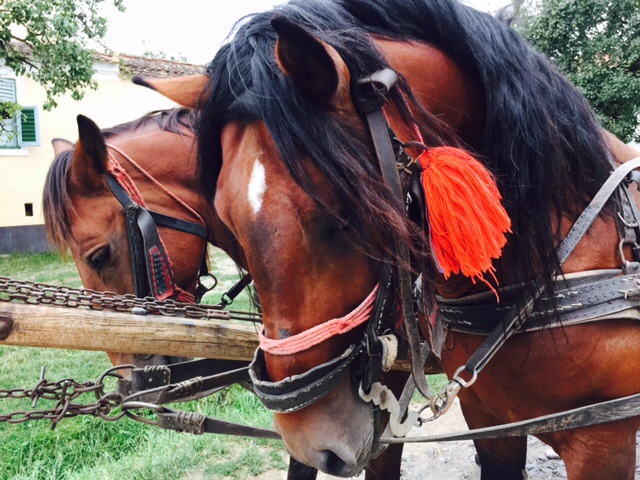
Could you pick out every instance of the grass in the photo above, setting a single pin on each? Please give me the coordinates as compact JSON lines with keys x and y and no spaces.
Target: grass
{"x":87,"y":448}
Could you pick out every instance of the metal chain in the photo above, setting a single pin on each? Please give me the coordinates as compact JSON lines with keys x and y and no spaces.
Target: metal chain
{"x":33,"y":293}
{"x":113,"y":406}
{"x":65,"y":393}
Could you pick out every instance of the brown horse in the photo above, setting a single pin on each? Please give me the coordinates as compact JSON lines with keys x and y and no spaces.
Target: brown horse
{"x":160,"y":143}
{"x":288,"y":160}
{"x":83,"y":215}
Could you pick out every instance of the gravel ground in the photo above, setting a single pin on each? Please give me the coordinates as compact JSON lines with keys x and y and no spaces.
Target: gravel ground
{"x":456,"y":460}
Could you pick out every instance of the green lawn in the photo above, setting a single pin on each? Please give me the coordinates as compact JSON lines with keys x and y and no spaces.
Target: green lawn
{"x":89,"y":448}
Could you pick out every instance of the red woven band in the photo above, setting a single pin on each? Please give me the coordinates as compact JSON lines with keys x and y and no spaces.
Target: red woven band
{"x":318,"y":334}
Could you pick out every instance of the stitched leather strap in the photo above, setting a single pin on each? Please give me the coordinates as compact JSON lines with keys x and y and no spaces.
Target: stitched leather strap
{"x":296,"y":392}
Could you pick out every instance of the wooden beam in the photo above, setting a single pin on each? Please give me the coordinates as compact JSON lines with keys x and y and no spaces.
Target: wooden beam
{"x":83,"y":329}
{"x":107,"y":331}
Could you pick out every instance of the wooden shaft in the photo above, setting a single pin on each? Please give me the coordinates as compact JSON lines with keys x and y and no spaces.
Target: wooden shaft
{"x":107,"y":331}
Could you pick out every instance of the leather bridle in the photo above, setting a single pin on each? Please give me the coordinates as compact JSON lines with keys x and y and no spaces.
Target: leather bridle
{"x":296,"y":392}
{"x":150,"y":264}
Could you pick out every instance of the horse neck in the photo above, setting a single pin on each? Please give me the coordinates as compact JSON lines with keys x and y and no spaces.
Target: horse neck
{"x":440,"y":85}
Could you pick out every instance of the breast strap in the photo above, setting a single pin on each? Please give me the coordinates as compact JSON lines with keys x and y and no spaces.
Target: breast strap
{"x":584,"y":298}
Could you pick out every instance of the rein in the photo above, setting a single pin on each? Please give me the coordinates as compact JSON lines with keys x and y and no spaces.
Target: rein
{"x":150,"y":262}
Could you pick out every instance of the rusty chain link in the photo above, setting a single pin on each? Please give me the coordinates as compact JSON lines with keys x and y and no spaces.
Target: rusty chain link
{"x":109,"y":406}
{"x":65,"y":393}
{"x":112,"y":406}
{"x":33,"y":293}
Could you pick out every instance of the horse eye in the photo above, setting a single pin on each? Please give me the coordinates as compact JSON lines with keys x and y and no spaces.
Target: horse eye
{"x":100,"y":257}
{"x":336,"y":228}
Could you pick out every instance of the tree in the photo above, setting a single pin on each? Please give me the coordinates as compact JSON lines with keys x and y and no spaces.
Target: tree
{"x":596,"y":43}
{"x":48,"y":40}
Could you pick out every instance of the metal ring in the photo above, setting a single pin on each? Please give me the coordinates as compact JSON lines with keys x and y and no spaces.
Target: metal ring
{"x":117,"y":398}
{"x":225,"y":300}
{"x":459,"y":379}
{"x":128,"y":406}
{"x":109,"y":373}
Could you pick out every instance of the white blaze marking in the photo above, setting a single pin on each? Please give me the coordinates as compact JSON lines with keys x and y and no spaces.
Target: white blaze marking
{"x":257,"y":186}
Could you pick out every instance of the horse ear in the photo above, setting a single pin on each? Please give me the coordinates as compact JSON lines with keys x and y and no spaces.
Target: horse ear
{"x":189,"y":91}
{"x":315,"y":67}
{"x":61,"y":145}
{"x":90,"y":160}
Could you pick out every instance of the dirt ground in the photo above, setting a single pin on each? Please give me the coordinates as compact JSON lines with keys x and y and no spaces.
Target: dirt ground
{"x":456,"y":460}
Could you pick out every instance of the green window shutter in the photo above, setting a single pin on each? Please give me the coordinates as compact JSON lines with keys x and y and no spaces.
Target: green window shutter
{"x":29,"y":127}
{"x":8,"y":126}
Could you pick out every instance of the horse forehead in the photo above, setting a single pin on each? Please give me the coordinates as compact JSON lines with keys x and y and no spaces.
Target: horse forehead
{"x":253,"y":174}
{"x":94,"y":216}
{"x":252,"y":170}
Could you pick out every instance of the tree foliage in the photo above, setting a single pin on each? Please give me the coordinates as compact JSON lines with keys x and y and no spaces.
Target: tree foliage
{"x":48,"y":40}
{"x":597,"y":44}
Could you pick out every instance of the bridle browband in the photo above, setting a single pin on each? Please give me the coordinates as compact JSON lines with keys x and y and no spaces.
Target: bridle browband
{"x":150,"y":264}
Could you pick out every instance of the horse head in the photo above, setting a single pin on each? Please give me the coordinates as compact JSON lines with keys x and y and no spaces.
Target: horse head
{"x":84,"y":216}
{"x":303,"y":253}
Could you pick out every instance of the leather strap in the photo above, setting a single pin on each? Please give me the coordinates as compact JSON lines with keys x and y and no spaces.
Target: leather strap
{"x":369,"y":102}
{"x":514,"y":319}
{"x":298,"y":391}
{"x":576,"y":299}
{"x":179,"y":224}
{"x":160,"y":273}
{"x":230,"y":295}
{"x":150,"y":265}
{"x":596,"y":414}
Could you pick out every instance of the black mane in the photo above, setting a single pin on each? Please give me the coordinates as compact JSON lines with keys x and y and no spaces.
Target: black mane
{"x":540,"y":139}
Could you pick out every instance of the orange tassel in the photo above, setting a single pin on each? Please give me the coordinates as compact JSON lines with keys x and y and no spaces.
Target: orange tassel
{"x":467,"y":220}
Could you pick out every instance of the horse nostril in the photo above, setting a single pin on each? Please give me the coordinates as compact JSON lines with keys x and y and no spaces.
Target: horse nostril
{"x":334,"y":465}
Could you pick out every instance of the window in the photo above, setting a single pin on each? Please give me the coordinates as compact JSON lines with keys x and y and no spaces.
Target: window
{"x":21,"y":130}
